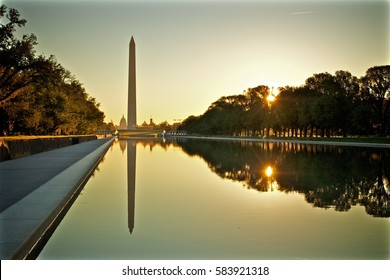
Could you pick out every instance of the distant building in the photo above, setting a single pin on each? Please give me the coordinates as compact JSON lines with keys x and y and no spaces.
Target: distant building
{"x":123,"y":123}
{"x":150,"y":126}
{"x":151,"y":123}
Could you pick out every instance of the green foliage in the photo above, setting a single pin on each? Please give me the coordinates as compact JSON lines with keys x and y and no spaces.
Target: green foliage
{"x":233,"y":115}
{"x":377,"y":83}
{"x":38,"y":95}
{"x":326,"y":105}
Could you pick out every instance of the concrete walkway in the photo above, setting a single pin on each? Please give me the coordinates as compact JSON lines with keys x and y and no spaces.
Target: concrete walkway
{"x":35,"y":190}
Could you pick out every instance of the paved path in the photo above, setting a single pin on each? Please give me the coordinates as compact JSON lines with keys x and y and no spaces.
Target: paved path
{"x":35,"y":189}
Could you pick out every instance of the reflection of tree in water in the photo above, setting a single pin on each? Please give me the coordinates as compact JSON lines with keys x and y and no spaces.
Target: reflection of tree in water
{"x":328,"y":176}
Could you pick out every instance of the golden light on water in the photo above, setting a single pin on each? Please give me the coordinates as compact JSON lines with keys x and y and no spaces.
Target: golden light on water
{"x":269,"y":171}
{"x":272,"y":184}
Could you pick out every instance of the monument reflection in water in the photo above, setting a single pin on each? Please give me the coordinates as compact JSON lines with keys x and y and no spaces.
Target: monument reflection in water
{"x":196,"y":199}
{"x":131,"y":158}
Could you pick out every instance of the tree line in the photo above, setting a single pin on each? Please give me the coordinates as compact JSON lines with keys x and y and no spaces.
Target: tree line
{"x":326,"y":105}
{"x":37,"y":94}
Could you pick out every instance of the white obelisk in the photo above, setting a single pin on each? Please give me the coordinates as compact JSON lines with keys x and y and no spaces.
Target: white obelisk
{"x":131,"y":105}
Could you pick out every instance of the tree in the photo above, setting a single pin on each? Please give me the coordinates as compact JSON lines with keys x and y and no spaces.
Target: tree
{"x":330,"y":108}
{"x":256,"y":117}
{"x":326,"y":104}
{"x":349,"y":99}
{"x":348,"y":83}
{"x":18,"y":64}
{"x":323,"y":83}
{"x":38,"y":95}
{"x":377,"y":83}
{"x":293,"y":110}
{"x":165,"y":126}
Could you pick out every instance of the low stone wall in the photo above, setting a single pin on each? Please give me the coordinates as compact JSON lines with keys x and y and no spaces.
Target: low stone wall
{"x":16,"y":148}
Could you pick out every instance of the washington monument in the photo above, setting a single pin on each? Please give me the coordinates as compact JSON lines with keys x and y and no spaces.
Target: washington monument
{"x":131,"y":101}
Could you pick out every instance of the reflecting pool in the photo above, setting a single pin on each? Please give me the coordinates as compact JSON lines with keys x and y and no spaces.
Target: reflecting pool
{"x":207,"y":199}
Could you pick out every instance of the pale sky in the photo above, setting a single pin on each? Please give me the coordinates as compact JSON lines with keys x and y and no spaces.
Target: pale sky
{"x":190,"y":53}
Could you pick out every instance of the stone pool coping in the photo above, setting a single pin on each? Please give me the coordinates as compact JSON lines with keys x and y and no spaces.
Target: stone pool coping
{"x":319,"y":142}
{"x":28,"y":222}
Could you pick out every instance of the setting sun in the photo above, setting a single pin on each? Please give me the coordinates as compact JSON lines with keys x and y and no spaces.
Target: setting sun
{"x":271,"y":98}
{"x":274,"y":91}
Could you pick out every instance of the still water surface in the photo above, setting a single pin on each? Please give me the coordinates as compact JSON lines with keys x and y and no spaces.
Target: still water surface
{"x":197,"y":199}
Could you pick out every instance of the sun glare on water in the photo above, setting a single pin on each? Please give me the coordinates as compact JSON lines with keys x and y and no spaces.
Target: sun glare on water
{"x":269,"y":171}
